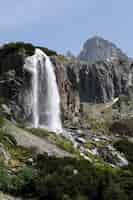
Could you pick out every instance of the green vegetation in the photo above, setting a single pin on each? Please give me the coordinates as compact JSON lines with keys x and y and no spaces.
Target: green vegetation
{"x":17,"y":153}
{"x":17,"y":47}
{"x":126,"y":147}
{"x":68,"y":179}
{"x":123,"y":127}
{"x":59,"y":140}
{"x":12,"y":55}
{"x":63,"y":178}
{"x":63,"y":143}
{"x":89,"y":144}
{"x":28,"y":48}
{"x":17,"y":183}
{"x":63,"y":59}
{"x":98,"y":125}
{"x":39,"y":132}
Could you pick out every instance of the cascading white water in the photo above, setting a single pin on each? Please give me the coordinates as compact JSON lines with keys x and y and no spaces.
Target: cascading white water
{"x":32,"y":66}
{"x":35,"y":94}
{"x":45,"y":101}
{"x":53,"y":97}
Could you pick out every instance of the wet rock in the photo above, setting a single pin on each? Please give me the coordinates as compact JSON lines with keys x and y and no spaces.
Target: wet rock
{"x":110,"y":155}
{"x":30,"y":161}
{"x":8,"y":197}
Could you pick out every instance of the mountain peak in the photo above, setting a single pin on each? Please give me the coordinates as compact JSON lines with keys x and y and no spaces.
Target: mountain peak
{"x":97,"y":48}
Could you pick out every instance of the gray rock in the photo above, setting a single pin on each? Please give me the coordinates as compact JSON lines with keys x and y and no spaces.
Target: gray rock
{"x":8,"y":197}
{"x":110,"y":155}
{"x":4,"y":152}
{"x":97,"y":48}
{"x":29,"y":141}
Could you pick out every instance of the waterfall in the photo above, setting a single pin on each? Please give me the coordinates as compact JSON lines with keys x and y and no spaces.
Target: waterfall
{"x":45,"y":98}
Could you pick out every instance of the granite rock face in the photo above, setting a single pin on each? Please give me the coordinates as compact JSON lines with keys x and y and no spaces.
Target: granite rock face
{"x":67,"y":80}
{"x":97,"y":48}
{"x":103,"y":81}
{"x":100,"y":82}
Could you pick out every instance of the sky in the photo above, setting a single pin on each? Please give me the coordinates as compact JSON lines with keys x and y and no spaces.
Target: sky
{"x":64,"y":25}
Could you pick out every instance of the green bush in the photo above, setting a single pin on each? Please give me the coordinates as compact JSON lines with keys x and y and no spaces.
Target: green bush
{"x":125,"y":147}
{"x":12,"y":55}
{"x":123,"y":127}
{"x":15,"y":47}
{"x":5,"y":180}
{"x":68,"y":179}
{"x":19,"y":184}
{"x":114,"y":192}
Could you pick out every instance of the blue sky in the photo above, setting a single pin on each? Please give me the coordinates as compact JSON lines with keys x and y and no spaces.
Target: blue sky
{"x":65,"y":24}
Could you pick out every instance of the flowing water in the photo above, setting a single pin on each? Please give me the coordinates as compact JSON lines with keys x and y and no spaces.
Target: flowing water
{"x":45,"y":101}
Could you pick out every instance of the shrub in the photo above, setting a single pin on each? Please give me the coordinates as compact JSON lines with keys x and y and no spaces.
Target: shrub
{"x":15,"y":47}
{"x":125,"y":147}
{"x":123,"y":127}
{"x":12,"y":55}
{"x":114,"y":191}
{"x":5,"y":180}
{"x":19,"y":184}
{"x":55,"y":179}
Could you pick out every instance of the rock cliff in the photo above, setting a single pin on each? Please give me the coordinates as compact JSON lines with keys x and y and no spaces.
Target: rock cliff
{"x":78,"y":82}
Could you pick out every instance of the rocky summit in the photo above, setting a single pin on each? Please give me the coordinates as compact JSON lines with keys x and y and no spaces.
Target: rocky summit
{"x":97,"y":48}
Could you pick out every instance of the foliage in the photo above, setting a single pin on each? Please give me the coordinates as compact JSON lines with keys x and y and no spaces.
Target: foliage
{"x":125,"y":147}
{"x":123,"y":127}
{"x":59,"y":140}
{"x":18,"y":183}
{"x":63,"y":143}
{"x":63,"y":59}
{"x":68,"y":179}
{"x":39,"y":132}
{"x":17,"y":46}
{"x":98,"y":125}
{"x":16,"y":152}
{"x":114,"y":191}
{"x":12,"y":55}
{"x":76,"y":179}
